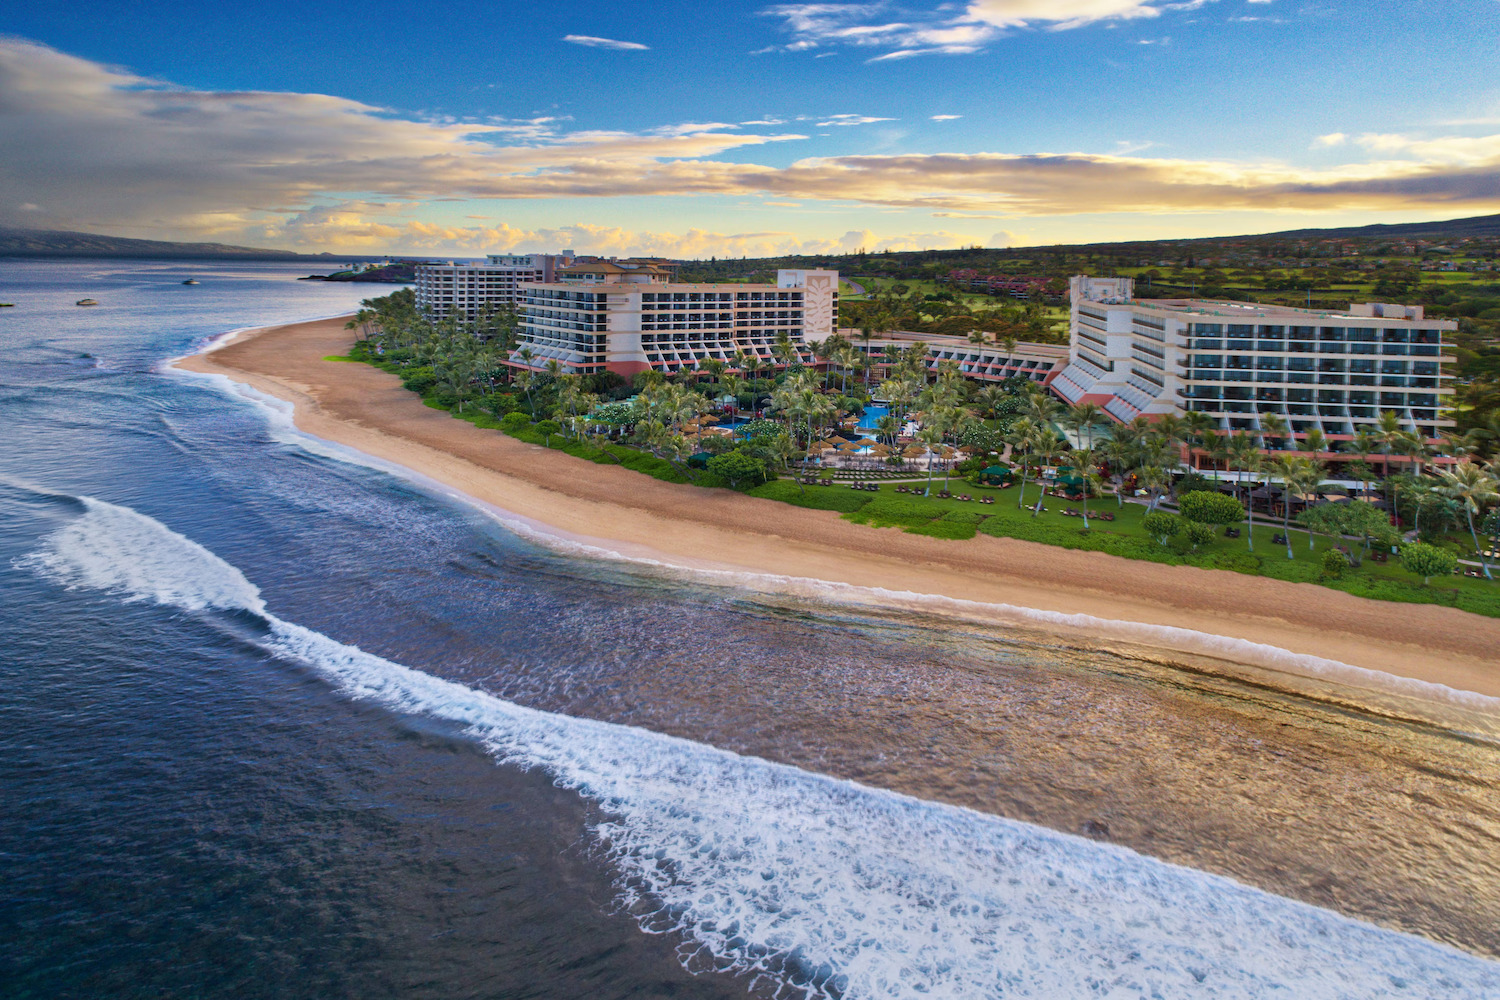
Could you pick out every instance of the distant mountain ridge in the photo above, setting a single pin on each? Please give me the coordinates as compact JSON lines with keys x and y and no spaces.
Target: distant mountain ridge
{"x":1479,"y":225}
{"x":60,"y":243}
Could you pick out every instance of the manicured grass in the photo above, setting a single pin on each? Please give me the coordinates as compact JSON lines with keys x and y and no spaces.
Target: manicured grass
{"x":960,"y":520}
{"x":339,"y":357}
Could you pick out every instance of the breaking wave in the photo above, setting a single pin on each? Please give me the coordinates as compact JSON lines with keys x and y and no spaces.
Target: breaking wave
{"x":819,"y":887}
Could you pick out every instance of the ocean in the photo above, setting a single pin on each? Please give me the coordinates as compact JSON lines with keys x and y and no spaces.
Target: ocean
{"x":279,"y":723}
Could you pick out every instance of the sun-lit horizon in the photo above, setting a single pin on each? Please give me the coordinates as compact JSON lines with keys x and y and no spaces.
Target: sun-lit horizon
{"x":754,"y":131}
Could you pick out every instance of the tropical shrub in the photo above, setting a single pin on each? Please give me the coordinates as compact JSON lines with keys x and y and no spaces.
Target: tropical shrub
{"x":419,"y":380}
{"x":1161,"y":525}
{"x":1427,"y":561}
{"x":514,"y":421}
{"x":1198,"y":533}
{"x":501,"y":403}
{"x":755,"y":430}
{"x":737,"y":468}
{"x":1210,"y":508}
{"x":1334,"y":564}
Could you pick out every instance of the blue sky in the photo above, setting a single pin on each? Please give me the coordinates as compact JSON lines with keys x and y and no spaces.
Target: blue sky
{"x":695,"y":129}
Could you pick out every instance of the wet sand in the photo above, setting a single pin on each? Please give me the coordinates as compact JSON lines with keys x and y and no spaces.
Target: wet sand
{"x":366,"y":409}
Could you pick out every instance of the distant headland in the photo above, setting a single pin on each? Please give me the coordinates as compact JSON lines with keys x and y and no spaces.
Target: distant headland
{"x":59,"y":243}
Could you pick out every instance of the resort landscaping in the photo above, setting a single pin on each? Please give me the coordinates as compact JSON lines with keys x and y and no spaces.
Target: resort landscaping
{"x":944,"y":461}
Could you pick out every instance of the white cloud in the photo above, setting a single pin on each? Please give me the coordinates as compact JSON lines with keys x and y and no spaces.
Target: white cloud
{"x":851,"y":120}
{"x":946,"y":118}
{"x":1058,"y":14}
{"x":948,"y":29}
{"x":104,"y":149}
{"x":1331,"y":139}
{"x":419,"y":237}
{"x":594,"y":42}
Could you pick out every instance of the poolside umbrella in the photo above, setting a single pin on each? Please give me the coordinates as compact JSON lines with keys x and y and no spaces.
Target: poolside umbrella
{"x":867,"y":442}
{"x":914,"y":451}
{"x":996,"y":472}
{"x":832,"y":442}
{"x":849,"y":446}
{"x":947,"y":452}
{"x":879,"y":449}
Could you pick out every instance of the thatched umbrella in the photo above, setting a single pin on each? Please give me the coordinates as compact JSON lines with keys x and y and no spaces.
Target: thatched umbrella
{"x":914,"y":451}
{"x":879,"y":449}
{"x":867,"y":442}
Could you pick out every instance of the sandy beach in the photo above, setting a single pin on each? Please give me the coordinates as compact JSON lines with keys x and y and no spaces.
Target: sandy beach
{"x":366,"y":409}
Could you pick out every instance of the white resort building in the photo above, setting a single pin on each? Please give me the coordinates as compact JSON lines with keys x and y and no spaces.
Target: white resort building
{"x":467,"y":288}
{"x":1237,"y":361}
{"x":626,"y":317}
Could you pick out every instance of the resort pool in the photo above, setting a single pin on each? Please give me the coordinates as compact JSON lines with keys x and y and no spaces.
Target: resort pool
{"x":871,"y":417}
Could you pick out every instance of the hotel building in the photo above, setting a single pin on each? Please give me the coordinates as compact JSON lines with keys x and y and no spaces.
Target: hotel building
{"x":443,"y":289}
{"x":1237,"y":361}
{"x":627,"y":317}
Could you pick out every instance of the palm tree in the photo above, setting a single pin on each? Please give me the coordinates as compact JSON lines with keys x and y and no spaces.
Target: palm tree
{"x":1046,"y":446}
{"x":1288,"y":468}
{"x":1042,"y":408}
{"x":1306,"y":476}
{"x":1274,"y":426}
{"x":1020,"y":435}
{"x":932,"y":437}
{"x":1197,"y":427}
{"x":1365,"y":443}
{"x":990,"y":398}
{"x":1241,"y":447}
{"x":1474,"y":489}
{"x":1082,"y":461}
{"x":1250,"y":460}
{"x":1082,"y":418}
{"x":1388,"y":430}
{"x":1409,"y":444}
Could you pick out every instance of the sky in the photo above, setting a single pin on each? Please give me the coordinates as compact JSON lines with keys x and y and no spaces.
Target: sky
{"x":692,"y":129}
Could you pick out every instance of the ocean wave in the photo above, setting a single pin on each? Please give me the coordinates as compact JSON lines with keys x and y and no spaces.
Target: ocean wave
{"x":821,"y":887}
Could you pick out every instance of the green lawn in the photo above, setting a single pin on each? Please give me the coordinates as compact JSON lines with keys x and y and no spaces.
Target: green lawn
{"x":962,"y":520}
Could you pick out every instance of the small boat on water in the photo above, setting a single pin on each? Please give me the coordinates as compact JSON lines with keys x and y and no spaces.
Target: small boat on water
{"x":87,"y":302}
{"x":7,"y":305}
{"x":191,"y":281}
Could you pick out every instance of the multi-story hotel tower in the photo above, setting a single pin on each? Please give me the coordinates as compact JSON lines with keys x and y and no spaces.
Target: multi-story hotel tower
{"x":1238,"y":361}
{"x":601,"y":317}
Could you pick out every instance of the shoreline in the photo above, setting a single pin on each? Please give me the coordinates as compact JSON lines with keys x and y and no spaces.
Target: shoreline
{"x":1216,"y":613}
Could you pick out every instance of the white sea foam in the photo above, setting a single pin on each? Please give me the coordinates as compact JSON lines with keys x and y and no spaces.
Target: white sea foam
{"x":826,"y":887}
{"x":123,"y":552}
